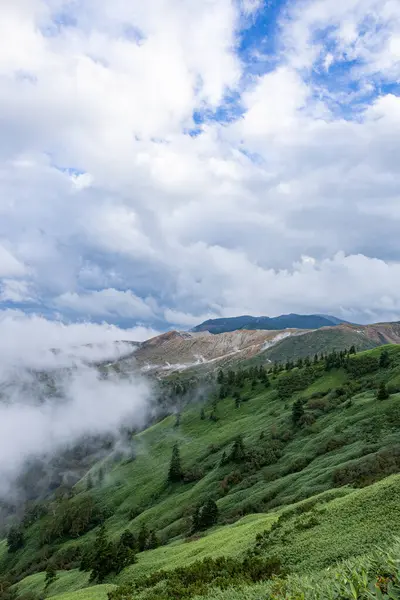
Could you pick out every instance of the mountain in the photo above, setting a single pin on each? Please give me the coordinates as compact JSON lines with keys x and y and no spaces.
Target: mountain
{"x":200,"y":352}
{"x":285,"y":474}
{"x":291,"y":321}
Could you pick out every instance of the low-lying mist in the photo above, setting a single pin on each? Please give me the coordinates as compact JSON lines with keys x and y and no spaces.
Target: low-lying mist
{"x":52,"y":395}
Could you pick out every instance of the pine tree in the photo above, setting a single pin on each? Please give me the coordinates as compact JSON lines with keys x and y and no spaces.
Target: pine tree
{"x":202,"y":414}
{"x":224,"y":459}
{"x":103,"y":557}
{"x":89,"y":482}
{"x":382,"y":393}
{"x":122,"y":556}
{"x":315,"y":359}
{"x":177,"y":420}
{"x":238,"y":452}
{"x":352,"y":350}
{"x":175,"y":470}
{"x":142,"y":538}
{"x":128,"y":539}
{"x":220,"y":376}
{"x":384,"y":359}
{"x":196,"y":519}
{"x":101,"y":475}
{"x":297,"y":412}
{"x":152,"y":541}
{"x":51,"y":575}
{"x":15,"y":539}
{"x":208,"y":514}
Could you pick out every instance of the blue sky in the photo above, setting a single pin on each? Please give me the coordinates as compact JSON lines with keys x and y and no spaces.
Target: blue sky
{"x":166,"y":162}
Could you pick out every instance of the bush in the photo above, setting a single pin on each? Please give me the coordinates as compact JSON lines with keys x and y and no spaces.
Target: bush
{"x":369,"y":469}
{"x":199,"y":577}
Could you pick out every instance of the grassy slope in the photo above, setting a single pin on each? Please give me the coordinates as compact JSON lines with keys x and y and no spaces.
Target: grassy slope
{"x":141,"y":483}
{"x":315,"y":342}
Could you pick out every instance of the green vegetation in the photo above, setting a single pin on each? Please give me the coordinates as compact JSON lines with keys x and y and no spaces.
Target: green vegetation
{"x":283,"y":470}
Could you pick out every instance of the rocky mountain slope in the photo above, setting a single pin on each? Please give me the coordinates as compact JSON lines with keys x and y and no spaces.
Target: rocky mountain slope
{"x":180,"y":351}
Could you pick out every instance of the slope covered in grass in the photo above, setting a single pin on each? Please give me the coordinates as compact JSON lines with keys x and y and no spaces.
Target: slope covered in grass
{"x":344,"y":447}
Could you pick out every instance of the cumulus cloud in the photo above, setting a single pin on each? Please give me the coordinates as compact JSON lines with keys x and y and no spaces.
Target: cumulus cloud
{"x":151,"y":171}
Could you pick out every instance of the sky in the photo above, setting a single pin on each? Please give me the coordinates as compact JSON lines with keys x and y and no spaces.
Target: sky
{"x":169,"y":161}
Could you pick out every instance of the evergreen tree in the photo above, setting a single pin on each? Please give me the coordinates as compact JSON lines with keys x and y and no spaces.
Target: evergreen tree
{"x":103,"y":557}
{"x":152,"y":541}
{"x":382,"y":393}
{"x":384,"y":359}
{"x":202,"y":414}
{"x":128,"y":539}
{"x":122,"y":556}
{"x":100,"y":474}
{"x":89,"y":482}
{"x":175,"y":470}
{"x":196,"y":519}
{"x":315,"y":359}
{"x":297,"y":412}
{"x":142,"y":538}
{"x":15,"y":539}
{"x":51,"y":575}
{"x":238,"y":452}
{"x":223,"y":392}
{"x":299,"y":363}
{"x":214,"y":416}
{"x":352,"y":350}
{"x":205,"y":515}
{"x":307,"y":362}
{"x":177,"y":420}
{"x":236,"y":397}
{"x":224,"y":459}
{"x":220,"y":377}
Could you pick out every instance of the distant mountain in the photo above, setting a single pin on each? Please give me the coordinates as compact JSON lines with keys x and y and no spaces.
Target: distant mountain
{"x":291,"y":321}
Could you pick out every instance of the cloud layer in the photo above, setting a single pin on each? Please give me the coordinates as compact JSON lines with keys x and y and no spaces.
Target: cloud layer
{"x":33,"y":423}
{"x":162,"y":162}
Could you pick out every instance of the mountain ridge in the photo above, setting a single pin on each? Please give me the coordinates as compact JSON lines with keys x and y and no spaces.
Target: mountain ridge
{"x":286,"y":321}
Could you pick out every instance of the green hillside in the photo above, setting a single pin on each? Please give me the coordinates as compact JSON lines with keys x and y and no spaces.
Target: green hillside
{"x":301,"y":462}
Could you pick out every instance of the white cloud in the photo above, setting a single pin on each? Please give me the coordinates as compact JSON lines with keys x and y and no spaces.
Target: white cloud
{"x":9,"y":265}
{"x":34,"y":425}
{"x":108,"y":209}
{"x":106,"y":303}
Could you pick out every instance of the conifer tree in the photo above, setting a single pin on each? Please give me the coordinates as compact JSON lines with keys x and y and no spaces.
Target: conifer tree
{"x":142,"y":538}
{"x":208,"y":514}
{"x":128,"y":539}
{"x":297,"y":412}
{"x":382,"y":393}
{"x":15,"y":539}
{"x":202,"y":414}
{"x":89,"y":482}
{"x":238,"y":452}
{"x":384,"y":359}
{"x":103,"y":557}
{"x":51,"y":575}
{"x":220,"y":377}
{"x":152,"y":541}
{"x":175,"y":470}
